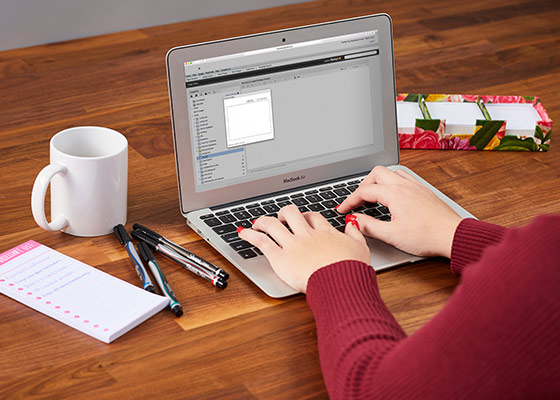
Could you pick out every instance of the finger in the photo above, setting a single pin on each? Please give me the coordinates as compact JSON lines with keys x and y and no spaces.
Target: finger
{"x":353,"y":230}
{"x":260,"y":240}
{"x":374,"y":228}
{"x":274,"y":228}
{"x":295,"y":220}
{"x":316,"y":220}
{"x":370,"y":193}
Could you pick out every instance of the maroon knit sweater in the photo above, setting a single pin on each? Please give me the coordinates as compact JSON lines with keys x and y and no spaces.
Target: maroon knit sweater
{"x":497,"y":338}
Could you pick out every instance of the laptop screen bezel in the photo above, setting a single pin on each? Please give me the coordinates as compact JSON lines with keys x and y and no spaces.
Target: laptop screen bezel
{"x":190,"y":199}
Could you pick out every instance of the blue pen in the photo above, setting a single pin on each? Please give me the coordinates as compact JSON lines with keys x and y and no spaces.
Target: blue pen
{"x":125,"y":240}
{"x":148,"y":256}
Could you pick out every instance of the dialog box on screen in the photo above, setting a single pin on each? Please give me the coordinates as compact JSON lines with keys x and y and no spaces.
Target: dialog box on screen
{"x":249,"y":118}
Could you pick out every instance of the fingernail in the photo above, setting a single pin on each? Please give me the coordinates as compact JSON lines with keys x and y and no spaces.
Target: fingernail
{"x":355,"y":223}
{"x":337,"y":207}
{"x":349,"y":217}
{"x":239,"y":229}
{"x":253,"y":222}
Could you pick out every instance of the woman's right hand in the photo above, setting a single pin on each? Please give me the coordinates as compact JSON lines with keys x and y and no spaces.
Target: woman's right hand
{"x":421,"y":223}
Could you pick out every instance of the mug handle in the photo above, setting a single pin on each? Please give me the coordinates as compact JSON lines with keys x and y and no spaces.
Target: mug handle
{"x":38,"y":198}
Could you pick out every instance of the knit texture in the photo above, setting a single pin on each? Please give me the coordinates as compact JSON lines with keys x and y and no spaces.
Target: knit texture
{"x":498,"y":336}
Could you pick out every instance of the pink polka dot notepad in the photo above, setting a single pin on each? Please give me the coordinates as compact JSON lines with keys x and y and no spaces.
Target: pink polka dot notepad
{"x":74,"y":293}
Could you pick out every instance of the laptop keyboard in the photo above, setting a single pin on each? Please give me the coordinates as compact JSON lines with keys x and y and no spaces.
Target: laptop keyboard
{"x":322,"y":200}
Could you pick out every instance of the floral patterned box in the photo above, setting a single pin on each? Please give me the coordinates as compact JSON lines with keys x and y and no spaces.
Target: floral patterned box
{"x":467,"y":122}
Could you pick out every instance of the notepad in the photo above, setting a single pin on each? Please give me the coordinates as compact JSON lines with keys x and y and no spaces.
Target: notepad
{"x":75,"y":293}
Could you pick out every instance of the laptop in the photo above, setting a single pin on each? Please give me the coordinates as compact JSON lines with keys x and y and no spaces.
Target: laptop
{"x":296,"y":116}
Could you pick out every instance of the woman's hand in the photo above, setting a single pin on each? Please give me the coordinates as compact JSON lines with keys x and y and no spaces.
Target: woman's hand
{"x":420,"y":224}
{"x":312,"y":243}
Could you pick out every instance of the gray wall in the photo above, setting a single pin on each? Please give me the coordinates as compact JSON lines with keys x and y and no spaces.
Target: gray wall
{"x":30,"y":22}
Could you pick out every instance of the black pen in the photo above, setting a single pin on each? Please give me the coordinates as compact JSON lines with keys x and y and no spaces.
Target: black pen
{"x":125,"y":240}
{"x":147,"y":255}
{"x":170,"y":253}
{"x":182,"y":251}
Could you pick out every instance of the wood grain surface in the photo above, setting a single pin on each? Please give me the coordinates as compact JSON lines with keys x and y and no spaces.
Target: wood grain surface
{"x":239,"y":343}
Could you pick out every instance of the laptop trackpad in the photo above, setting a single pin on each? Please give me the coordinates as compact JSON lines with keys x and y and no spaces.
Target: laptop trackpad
{"x":384,"y":256}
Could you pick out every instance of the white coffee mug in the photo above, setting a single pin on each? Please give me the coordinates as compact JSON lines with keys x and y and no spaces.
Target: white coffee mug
{"x":88,"y":174}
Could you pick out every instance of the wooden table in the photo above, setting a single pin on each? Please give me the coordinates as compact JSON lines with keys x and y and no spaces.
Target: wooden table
{"x":239,"y":343}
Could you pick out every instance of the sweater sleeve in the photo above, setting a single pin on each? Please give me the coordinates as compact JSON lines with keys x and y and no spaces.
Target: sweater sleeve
{"x":496,"y":338}
{"x":471,"y":238}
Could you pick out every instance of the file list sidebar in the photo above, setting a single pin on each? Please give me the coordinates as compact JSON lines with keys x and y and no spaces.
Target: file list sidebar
{"x":214,"y":160}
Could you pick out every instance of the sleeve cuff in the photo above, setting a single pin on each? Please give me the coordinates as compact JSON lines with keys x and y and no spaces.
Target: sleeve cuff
{"x":471,"y":238}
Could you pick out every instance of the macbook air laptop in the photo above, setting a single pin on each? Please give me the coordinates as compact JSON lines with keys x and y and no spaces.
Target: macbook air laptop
{"x":297,"y":116}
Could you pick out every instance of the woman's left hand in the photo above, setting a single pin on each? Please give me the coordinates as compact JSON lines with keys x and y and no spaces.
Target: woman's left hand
{"x":312,"y":243}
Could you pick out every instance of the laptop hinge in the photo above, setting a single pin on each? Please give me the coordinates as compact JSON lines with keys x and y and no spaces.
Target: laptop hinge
{"x":281,"y":192}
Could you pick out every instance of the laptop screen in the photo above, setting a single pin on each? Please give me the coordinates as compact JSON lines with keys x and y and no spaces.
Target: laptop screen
{"x":276,"y":110}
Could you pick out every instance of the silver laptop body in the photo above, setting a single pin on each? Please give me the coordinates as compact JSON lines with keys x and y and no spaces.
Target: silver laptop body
{"x":299,"y":115}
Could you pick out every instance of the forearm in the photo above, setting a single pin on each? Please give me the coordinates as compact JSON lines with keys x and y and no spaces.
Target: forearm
{"x":350,"y":317}
{"x":471,"y":238}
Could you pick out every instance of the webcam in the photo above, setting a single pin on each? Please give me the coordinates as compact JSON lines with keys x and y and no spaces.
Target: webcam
{"x":283,"y":39}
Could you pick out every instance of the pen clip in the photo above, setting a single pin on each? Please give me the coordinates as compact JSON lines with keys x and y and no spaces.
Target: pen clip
{"x":147,"y":232}
{"x":121,"y":234}
{"x":145,"y":252}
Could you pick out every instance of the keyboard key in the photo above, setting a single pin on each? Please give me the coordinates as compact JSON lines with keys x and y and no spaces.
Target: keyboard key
{"x":282,"y":199}
{"x":385,"y":218}
{"x":311,"y":192}
{"x":324,"y":189}
{"x":356,"y":182}
{"x":206,"y":216}
{"x":300,"y":202}
{"x":327,"y":195}
{"x":244,"y":224}
{"x":340,"y":199}
{"x":283,"y":203}
{"x":240,"y":245}
{"x":223,"y":212}
{"x":227,"y":218}
{"x":253,"y":205}
{"x":242,"y":215}
{"x":329,"y":214}
{"x":272,"y":208}
{"x":330,"y":204}
{"x":302,"y":209}
{"x":339,"y":185}
{"x":212,"y":222}
{"x":333,"y":222}
{"x":293,"y":196}
{"x":341,"y":192}
{"x":237,"y":209}
{"x":257,"y":212}
{"x":273,"y":215}
{"x":374,"y":212}
{"x":258,"y":251}
{"x":352,"y":187}
{"x":267,"y":202}
{"x":247,"y":253}
{"x":230,"y":237}
{"x":316,"y":207}
{"x":221,"y":230}
{"x":313,"y":198}
{"x":383,"y":209}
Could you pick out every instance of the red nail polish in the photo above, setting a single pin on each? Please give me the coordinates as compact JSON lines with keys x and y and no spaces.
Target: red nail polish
{"x":239,"y":229}
{"x":349,"y":217}
{"x":355,"y":223}
{"x":337,"y":207}
{"x":253,"y":222}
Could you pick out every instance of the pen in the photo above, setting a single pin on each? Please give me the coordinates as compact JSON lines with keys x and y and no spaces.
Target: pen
{"x":169,"y":252}
{"x":148,"y":256}
{"x":125,"y":240}
{"x":182,"y":251}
